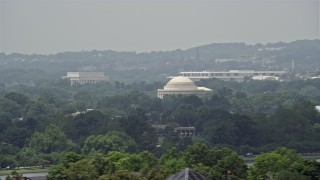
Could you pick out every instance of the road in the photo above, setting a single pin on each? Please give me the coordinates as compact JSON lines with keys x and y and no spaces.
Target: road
{"x":30,"y":175}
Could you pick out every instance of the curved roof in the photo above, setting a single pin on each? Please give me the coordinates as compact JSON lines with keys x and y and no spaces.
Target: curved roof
{"x":180,"y":79}
{"x":181,"y":83}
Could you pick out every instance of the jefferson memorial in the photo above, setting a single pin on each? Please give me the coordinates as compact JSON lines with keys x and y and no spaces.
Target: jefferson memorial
{"x":181,"y":85}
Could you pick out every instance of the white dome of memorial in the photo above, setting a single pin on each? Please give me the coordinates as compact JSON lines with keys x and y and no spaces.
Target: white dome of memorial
{"x":180,"y":82}
{"x":181,"y":85}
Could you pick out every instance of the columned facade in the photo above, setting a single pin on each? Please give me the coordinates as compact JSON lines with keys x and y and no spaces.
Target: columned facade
{"x":181,"y":85}
{"x":185,"y":131}
{"x":85,"y":77}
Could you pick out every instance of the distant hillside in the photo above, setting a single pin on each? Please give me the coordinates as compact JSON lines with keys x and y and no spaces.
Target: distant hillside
{"x":132,"y":66}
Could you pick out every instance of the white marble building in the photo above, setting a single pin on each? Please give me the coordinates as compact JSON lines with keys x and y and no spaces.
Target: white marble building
{"x":232,"y":75}
{"x":181,"y":85}
{"x":85,"y":77}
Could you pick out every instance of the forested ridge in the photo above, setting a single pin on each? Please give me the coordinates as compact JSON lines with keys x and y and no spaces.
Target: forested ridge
{"x":132,"y":67}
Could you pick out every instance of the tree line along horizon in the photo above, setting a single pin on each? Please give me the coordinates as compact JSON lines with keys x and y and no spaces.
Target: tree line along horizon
{"x":131,"y":67}
{"x":37,"y":127}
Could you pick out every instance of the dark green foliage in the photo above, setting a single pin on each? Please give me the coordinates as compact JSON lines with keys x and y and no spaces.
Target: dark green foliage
{"x":252,"y":116}
{"x":215,"y":163}
{"x":309,"y":168}
{"x":218,"y":102}
{"x":283,"y":163}
{"x":137,"y":126}
{"x":184,"y":115}
{"x":70,"y":159}
{"x":5,"y":121}
{"x":17,"y":97}
{"x":120,"y":175}
{"x":6,"y":105}
{"x":51,"y":140}
{"x":112,"y":141}
{"x":259,"y":121}
{"x":81,"y":170}
{"x":16,"y":136}
{"x":285,"y":175}
{"x":85,"y":124}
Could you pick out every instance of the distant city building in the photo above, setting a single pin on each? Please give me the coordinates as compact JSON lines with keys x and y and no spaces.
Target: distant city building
{"x":82,"y":112}
{"x":185,"y":131}
{"x":181,"y":131}
{"x":237,"y":59}
{"x":232,"y":75}
{"x":85,"y":77}
{"x":265,"y":78}
{"x":314,"y":77}
{"x":181,"y":85}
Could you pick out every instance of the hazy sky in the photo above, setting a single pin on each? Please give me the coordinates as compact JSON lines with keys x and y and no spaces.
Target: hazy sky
{"x":50,"y":26}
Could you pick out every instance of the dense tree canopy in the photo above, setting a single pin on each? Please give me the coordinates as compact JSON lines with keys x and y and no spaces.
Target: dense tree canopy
{"x":112,"y":141}
{"x":45,"y":122}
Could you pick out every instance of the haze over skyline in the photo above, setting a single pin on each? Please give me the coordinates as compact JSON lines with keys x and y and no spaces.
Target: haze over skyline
{"x":51,"y":26}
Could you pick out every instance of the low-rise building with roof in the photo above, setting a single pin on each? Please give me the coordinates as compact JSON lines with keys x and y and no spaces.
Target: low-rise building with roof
{"x":266,"y":78}
{"x":85,"y":77}
{"x":185,"y":131}
{"x":231,"y":75}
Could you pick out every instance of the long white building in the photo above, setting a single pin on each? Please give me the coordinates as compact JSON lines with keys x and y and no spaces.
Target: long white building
{"x":231,"y":75}
{"x":85,"y":77}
